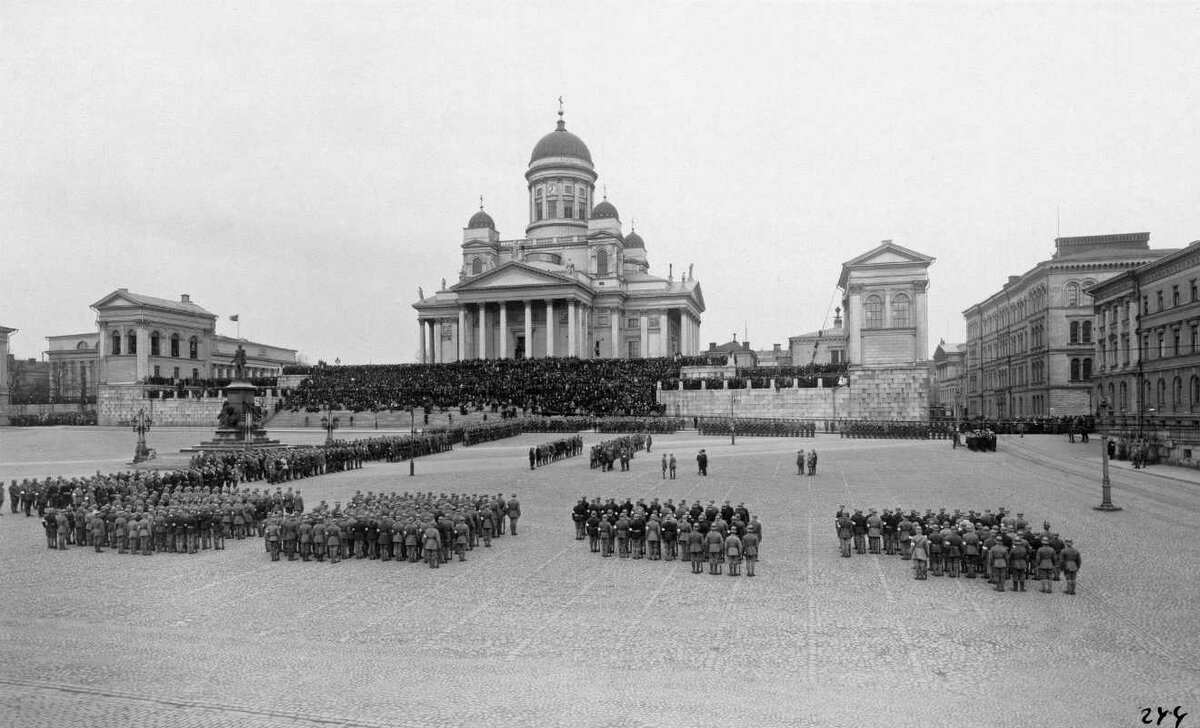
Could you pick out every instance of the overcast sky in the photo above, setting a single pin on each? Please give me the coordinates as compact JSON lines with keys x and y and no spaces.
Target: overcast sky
{"x":309,"y":165}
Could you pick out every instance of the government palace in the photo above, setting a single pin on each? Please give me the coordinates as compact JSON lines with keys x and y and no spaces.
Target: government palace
{"x":575,"y":285}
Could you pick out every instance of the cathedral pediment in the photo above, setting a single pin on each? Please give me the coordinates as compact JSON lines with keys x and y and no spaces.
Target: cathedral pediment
{"x":886,"y":255}
{"x":513,"y":275}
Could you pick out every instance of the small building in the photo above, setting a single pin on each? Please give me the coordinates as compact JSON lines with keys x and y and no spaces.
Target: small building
{"x":823,"y":346}
{"x":739,"y":353}
{"x":946,"y":396}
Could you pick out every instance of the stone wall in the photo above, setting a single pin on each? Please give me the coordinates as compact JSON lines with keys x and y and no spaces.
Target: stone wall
{"x":118,"y":404}
{"x":7,"y":410}
{"x":882,"y":393}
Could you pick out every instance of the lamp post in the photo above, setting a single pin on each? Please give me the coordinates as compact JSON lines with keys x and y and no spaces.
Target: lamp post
{"x":1106,"y":503}
{"x":732,"y":425}
{"x":141,"y":425}
{"x":330,"y":423}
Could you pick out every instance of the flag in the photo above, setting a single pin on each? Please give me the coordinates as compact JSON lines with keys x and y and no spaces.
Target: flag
{"x":233,"y":317}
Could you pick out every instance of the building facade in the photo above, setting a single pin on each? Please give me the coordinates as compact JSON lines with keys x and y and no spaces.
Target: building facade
{"x":823,"y":346}
{"x":884,"y":299}
{"x":1147,"y":353}
{"x":1030,"y":345}
{"x":142,"y":339}
{"x":946,"y":396}
{"x":575,"y":285}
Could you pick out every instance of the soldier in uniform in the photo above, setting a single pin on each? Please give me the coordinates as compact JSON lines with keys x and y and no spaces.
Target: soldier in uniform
{"x":800,"y":462}
{"x":702,"y":462}
{"x":664,"y":466}
{"x":672,"y":464}
{"x":920,"y":553}
{"x":622,"y":530}
{"x":696,"y":549}
{"x":461,"y":537}
{"x":514,"y":512}
{"x":273,"y":537}
{"x":333,"y":541}
{"x":1018,"y":563}
{"x":998,"y":558}
{"x":860,"y":531}
{"x":1044,"y":560}
{"x":716,"y":557}
{"x":432,"y":545}
{"x":812,"y":462}
{"x":874,"y":531}
{"x":845,"y":531}
{"x":733,"y":553}
{"x":606,"y":529}
{"x":1069,"y":562}
{"x":971,"y":551}
{"x":654,"y":538}
{"x":592,"y":528}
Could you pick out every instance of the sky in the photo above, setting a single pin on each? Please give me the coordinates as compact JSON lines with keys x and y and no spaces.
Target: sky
{"x":309,"y":165}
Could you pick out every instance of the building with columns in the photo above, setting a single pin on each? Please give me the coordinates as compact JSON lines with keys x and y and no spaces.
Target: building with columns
{"x":141,"y":338}
{"x":574,"y":285}
{"x":5,"y":332}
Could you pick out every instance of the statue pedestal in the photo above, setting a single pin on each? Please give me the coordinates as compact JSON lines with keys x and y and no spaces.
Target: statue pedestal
{"x":249,"y":433}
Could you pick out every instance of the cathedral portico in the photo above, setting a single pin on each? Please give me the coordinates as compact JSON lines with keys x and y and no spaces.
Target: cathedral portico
{"x":575,"y":286}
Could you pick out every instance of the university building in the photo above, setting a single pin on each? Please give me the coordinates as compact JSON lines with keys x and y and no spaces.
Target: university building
{"x":576,"y":284}
{"x":1146,"y":376}
{"x":1030,"y":345}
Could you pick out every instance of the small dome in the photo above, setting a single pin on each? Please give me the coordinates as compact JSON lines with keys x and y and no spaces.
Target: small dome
{"x":481,"y":220}
{"x":605,"y":209}
{"x":633,"y":240}
{"x":560,"y":143}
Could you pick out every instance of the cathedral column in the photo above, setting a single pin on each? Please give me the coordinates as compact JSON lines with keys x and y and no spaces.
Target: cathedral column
{"x":143,"y":353}
{"x":462,"y":333}
{"x":572,"y":329}
{"x":434,"y":340}
{"x":528,"y":329}
{"x":920,"y":316}
{"x":615,"y":328}
{"x":503,"y":348}
{"x":685,"y":333}
{"x":483,"y":331}
{"x":550,"y":327}
{"x":424,"y":339}
{"x":644,"y":342}
{"x":664,"y":333}
{"x":854,"y":314}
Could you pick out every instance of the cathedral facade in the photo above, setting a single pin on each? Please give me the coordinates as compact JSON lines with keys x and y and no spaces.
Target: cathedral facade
{"x":576,"y":285}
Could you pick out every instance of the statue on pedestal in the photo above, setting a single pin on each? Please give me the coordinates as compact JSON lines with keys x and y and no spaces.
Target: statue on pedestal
{"x":239,"y":363}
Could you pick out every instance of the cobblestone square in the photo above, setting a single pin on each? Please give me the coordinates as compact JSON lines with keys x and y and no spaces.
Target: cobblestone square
{"x":538,"y":631}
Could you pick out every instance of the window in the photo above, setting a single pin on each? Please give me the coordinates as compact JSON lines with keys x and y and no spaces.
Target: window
{"x":1145,"y":304}
{"x":1195,"y":335}
{"x":900,"y":310}
{"x":1072,"y":294}
{"x":1162,"y":394}
{"x":1074,"y":332}
{"x":1174,"y":296}
{"x":1177,"y":394}
{"x":1074,"y":370}
{"x":131,"y":342}
{"x":1195,"y":291}
{"x":1087,"y":332}
{"x":1194,"y":389}
{"x":195,"y":374}
{"x":156,"y":372}
{"x":537,"y":205}
{"x":193,"y":348}
{"x":552,"y":209}
{"x":1159,"y":299}
{"x":873,"y":312}
{"x":116,"y":343}
{"x":176,"y":375}
{"x":632,"y":323}
{"x":568,"y":209}
{"x":1175,"y":339}
{"x":476,"y":266}
{"x":175,"y":345}
{"x":1161,"y":353}
{"x":602,"y":263}
{"x":1124,"y":400}
{"x":1087,"y":368}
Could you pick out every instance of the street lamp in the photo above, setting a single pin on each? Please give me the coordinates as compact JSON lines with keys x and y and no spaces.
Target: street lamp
{"x":141,"y":425}
{"x":330,"y":423}
{"x":1106,"y":503}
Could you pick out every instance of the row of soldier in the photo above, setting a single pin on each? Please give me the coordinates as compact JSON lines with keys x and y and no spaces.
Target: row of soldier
{"x":996,"y":546}
{"x":883,"y":429}
{"x":407,"y":527}
{"x":554,"y":451}
{"x":756,"y":427}
{"x":696,"y":534}
{"x":619,"y":449}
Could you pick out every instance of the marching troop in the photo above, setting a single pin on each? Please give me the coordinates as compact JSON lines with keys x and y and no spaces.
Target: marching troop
{"x":719,"y":536}
{"x":996,"y":546}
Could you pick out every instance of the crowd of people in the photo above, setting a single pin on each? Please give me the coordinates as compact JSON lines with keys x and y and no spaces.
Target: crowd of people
{"x":553,"y":385}
{"x":715,"y":535}
{"x":996,"y":547}
{"x":756,"y":427}
{"x":555,"y":450}
{"x":605,"y":455}
{"x":895,"y":430}
{"x":404,"y":527}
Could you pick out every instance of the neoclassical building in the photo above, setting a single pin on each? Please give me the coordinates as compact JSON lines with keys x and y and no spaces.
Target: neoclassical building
{"x":140,"y":338}
{"x":575,"y":285}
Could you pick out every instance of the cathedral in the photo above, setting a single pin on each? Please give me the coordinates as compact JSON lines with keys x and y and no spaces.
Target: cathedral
{"x":575,"y":285}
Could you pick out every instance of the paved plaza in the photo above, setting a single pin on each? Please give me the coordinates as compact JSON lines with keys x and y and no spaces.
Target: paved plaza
{"x":538,"y":631}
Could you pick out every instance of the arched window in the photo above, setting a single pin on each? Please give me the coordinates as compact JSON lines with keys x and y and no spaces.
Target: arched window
{"x":901,"y":309}
{"x":174,"y":344}
{"x":1074,"y":332}
{"x":1072,"y":291}
{"x":1074,"y":370}
{"x":1087,"y":332}
{"x":873,"y":312}
{"x":602,"y":262}
{"x":155,"y":338}
{"x":1162,"y":394}
{"x":1087,"y":368}
{"x":81,"y":345}
{"x":1124,"y":398}
{"x":116,"y":343}
{"x":1194,"y":396}
{"x":476,"y":266}
{"x":1112,"y":399}
{"x":131,"y":342}
{"x":1148,"y":395}
{"x":1177,"y":394}
{"x":193,"y":348}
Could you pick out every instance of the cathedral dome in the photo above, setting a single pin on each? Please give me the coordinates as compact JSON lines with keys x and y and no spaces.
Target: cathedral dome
{"x":633,"y":240}
{"x":560,"y":143}
{"x":605,"y":209}
{"x":481,"y":220}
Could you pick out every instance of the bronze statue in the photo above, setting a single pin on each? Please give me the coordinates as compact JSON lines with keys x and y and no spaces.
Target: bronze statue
{"x":239,"y":363}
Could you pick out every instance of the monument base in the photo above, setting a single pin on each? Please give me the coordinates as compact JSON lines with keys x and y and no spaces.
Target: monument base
{"x":233,"y":438}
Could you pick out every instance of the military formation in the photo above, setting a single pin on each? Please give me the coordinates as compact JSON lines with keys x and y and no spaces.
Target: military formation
{"x":555,"y":450}
{"x":889,"y":430}
{"x":997,"y":547}
{"x":756,"y":427}
{"x":719,"y":536}
{"x":402,"y":527}
{"x":605,"y":455}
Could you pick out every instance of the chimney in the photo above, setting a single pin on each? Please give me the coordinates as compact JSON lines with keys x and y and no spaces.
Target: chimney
{"x":185,"y":298}
{"x":837,"y":317}
{"x":745,"y":346}
{"x":777,"y":348}
{"x":712,"y":346}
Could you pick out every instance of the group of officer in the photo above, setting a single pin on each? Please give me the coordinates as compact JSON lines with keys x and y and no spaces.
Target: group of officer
{"x":755,"y":427}
{"x":997,"y":546}
{"x":605,"y":455}
{"x":555,"y":450}
{"x":405,"y":527}
{"x":809,"y":460}
{"x":697,"y":534}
